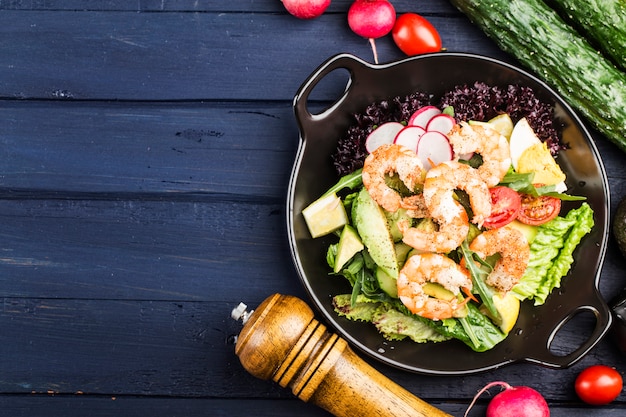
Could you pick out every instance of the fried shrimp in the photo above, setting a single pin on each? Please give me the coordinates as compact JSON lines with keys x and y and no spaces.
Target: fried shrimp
{"x":449,"y":215}
{"x":491,"y":145}
{"x":384,"y":162}
{"x":418,"y":271}
{"x":514,"y":252}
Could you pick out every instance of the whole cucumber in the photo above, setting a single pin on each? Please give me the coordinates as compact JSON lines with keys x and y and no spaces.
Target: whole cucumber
{"x":535,"y":34}
{"x":618,"y":304}
{"x":619,"y":226}
{"x":603,"y":22}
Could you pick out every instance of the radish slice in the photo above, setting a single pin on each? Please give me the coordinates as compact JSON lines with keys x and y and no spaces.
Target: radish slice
{"x":441,"y":123}
{"x":409,"y":137}
{"x":422,"y":116}
{"x":382,"y":135}
{"x":434,"y":148}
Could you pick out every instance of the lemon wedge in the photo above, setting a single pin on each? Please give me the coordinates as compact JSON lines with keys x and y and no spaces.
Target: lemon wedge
{"x":325,"y":215}
{"x":508,"y":307}
{"x":502,"y":124}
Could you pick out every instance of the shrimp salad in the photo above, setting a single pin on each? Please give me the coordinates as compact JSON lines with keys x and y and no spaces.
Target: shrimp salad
{"x":445,"y":241}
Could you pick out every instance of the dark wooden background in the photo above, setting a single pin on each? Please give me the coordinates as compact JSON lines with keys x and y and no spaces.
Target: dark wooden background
{"x":145,"y":150}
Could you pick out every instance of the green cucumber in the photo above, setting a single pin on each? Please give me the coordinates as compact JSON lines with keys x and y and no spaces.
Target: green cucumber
{"x":387,"y":283}
{"x":535,"y":34}
{"x":603,"y":22}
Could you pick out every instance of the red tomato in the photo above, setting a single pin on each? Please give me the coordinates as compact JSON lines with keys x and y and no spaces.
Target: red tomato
{"x":598,"y":385}
{"x":415,"y":35}
{"x":538,"y":210}
{"x":505,"y":206}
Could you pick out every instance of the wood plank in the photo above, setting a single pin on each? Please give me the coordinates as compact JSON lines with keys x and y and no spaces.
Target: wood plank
{"x":148,"y":148}
{"x":173,"y":250}
{"x":185,"y":349}
{"x":224,"y":6}
{"x":62,"y":406}
{"x":120,"y":58}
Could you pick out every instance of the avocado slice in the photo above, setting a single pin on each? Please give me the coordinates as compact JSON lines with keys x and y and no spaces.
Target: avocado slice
{"x":349,"y":245}
{"x":529,"y":231}
{"x":371,"y":223}
{"x":393,"y":219}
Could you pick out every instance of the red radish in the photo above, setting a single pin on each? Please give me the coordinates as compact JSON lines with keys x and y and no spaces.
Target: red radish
{"x":513,"y":402}
{"x":441,"y":123}
{"x":371,"y":19}
{"x":434,"y":148}
{"x":422,"y":116}
{"x":383,"y":134}
{"x":409,"y":137}
{"x":306,"y":9}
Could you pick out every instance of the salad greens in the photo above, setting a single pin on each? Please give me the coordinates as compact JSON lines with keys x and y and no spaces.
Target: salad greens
{"x":551,"y":253}
{"x":371,"y":250}
{"x":390,"y":321}
{"x":551,"y":257}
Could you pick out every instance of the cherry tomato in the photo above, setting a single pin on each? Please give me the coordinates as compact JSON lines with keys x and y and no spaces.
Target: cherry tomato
{"x":598,"y":385}
{"x":415,"y":35}
{"x":505,"y":206}
{"x":538,"y":210}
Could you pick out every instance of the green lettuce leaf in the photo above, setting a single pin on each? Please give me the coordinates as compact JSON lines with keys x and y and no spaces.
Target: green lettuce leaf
{"x":551,"y":253}
{"x":390,"y":322}
{"x":583,"y":223}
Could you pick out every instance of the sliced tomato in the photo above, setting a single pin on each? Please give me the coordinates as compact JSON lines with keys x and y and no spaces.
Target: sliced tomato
{"x":505,"y":207}
{"x":538,"y":210}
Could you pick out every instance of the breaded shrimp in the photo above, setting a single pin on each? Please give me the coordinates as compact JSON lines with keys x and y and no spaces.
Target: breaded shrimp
{"x":432,"y":268}
{"x":491,"y":145}
{"x":385,"y":161}
{"x":514,"y":252}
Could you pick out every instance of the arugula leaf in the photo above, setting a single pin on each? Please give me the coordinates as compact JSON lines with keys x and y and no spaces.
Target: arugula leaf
{"x":351,"y":181}
{"x":523,"y":183}
{"x":478,"y":277}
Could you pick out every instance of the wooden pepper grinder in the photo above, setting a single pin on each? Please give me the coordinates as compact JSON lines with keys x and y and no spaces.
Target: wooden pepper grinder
{"x":282,"y":341}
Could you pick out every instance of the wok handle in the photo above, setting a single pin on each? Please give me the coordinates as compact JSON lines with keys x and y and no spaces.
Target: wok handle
{"x":305,"y":118}
{"x":544,"y":356}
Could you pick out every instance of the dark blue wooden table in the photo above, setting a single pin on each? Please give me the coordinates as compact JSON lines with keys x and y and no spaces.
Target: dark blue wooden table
{"x":145,"y":150}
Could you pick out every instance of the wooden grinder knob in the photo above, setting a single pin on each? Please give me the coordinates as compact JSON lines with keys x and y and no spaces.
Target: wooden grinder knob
{"x":283,"y":342}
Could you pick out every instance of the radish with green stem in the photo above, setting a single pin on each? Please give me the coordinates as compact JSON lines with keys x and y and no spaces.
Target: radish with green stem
{"x":513,"y":402}
{"x":371,"y":19}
